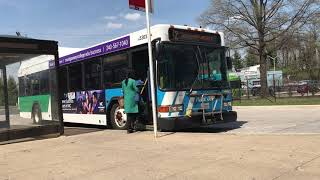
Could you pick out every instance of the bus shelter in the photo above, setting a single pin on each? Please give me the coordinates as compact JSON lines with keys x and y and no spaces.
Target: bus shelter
{"x":29,"y":96}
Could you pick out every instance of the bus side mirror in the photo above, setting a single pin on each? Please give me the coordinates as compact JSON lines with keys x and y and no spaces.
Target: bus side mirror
{"x":158,"y":48}
{"x":229,"y":63}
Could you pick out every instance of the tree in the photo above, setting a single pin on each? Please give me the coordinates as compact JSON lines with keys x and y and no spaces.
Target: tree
{"x":251,"y":59}
{"x":259,"y":23}
{"x":12,"y":91}
{"x":237,"y":61}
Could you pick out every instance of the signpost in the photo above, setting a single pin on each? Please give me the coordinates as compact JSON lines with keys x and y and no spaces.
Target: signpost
{"x":140,"y":5}
{"x":146,"y":5}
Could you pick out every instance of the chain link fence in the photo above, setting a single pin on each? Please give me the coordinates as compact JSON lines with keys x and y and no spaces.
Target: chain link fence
{"x":306,"y":88}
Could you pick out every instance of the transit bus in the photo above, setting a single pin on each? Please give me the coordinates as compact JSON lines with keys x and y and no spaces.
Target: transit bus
{"x":34,"y":77}
{"x":191,"y":71}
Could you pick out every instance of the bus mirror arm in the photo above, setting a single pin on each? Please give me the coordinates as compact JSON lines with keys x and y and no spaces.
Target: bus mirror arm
{"x":158,"y":48}
{"x":229,"y":63}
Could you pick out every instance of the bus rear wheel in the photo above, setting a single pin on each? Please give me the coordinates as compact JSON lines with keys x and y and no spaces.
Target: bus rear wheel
{"x":36,"y":114}
{"x":118,"y":117}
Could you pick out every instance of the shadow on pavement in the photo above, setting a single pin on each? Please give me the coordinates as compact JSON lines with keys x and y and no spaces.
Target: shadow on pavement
{"x":72,"y":129}
{"x":216,"y":128}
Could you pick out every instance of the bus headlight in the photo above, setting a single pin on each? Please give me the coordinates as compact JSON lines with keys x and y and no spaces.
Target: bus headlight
{"x":227,"y":104}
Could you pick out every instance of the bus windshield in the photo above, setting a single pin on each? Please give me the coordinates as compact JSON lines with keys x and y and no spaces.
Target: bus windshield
{"x":184,"y":67}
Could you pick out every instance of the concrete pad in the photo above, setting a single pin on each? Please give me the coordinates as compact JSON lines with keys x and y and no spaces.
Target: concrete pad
{"x":115,"y":155}
{"x":274,"y":119}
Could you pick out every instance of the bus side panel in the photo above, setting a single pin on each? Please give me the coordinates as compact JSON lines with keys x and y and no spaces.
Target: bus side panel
{"x":110,"y":94}
{"x":26,"y":102}
{"x":75,"y":107}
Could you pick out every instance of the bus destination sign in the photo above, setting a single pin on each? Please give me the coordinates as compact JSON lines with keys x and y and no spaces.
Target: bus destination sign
{"x":181,"y":35}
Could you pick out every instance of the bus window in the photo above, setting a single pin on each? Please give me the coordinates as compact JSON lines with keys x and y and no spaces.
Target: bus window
{"x":35,"y":84}
{"x":92,"y":74}
{"x":114,"y":69}
{"x":44,"y":82}
{"x":140,"y":64}
{"x":23,"y":86}
{"x":63,"y":84}
{"x":75,"y":77}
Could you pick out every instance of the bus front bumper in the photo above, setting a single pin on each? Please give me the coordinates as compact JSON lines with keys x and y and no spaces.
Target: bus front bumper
{"x":196,"y":120}
{"x":178,"y":123}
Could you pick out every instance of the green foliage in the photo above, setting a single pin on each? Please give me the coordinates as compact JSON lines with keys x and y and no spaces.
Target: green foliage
{"x":12,"y":91}
{"x":251,"y":59}
{"x":237,"y":61}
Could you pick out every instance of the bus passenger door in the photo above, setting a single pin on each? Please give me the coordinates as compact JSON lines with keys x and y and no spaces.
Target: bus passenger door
{"x":140,"y":65}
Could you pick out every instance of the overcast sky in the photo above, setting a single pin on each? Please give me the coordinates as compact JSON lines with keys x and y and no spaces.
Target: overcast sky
{"x":76,"y":23}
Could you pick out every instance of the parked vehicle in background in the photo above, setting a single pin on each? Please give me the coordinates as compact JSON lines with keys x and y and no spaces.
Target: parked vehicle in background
{"x":308,"y":86}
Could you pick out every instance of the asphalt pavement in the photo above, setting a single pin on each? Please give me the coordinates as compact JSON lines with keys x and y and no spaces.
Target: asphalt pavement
{"x":267,"y":143}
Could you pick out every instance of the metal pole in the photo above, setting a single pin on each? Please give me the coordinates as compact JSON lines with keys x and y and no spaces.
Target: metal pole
{"x":274,"y":81}
{"x":5,"y":94}
{"x":153,"y":93}
{"x":57,"y":92}
{"x":248,"y":89}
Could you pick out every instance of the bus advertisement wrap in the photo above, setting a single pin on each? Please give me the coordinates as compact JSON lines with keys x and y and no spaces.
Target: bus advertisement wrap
{"x":109,"y":47}
{"x":84,"y":102}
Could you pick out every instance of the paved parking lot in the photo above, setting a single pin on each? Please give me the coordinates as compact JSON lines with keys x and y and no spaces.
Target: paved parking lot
{"x":274,"y":119}
{"x":271,"y":143}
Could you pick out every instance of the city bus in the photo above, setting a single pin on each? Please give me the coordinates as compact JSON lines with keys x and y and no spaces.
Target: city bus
{"x":34,"y":85}
{"x":191,"y":78}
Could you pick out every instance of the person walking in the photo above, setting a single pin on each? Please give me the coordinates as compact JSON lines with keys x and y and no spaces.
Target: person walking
{"x":130,"y":91}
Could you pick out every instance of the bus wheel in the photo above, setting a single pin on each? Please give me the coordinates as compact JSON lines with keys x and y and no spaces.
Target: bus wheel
{"x":36,"y":114}
{"x":230,"y":116}
{"x":118,"y":117}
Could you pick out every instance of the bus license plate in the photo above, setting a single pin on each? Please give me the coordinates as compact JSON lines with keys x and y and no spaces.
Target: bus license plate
{"x":205,"y":106}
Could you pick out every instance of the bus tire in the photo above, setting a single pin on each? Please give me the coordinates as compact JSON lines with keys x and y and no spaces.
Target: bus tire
{"x":36,"y":115}
{"x":118,"y":117}
{"x":230,"y":116}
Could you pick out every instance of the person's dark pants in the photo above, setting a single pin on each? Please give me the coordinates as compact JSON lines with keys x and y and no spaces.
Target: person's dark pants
{"x":131,"y":119}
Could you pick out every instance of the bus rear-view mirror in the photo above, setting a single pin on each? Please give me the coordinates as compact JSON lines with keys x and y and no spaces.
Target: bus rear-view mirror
{"x":158,"y":48}
{"x":229,"y":63}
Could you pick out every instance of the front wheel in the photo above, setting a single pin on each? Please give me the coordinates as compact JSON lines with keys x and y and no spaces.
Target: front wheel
{"x":118,"y":117}
{"x":230,"y":116}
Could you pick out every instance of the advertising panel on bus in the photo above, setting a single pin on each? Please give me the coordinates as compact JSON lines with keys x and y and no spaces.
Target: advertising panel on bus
{"x":84,"y":102}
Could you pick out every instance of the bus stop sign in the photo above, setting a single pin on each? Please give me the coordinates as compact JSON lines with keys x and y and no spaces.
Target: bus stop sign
{"x":140,"y":5}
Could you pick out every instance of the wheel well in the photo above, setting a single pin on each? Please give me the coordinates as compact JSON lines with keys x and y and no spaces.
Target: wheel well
{"x":113,"y":101}
{"x":35,"y":104}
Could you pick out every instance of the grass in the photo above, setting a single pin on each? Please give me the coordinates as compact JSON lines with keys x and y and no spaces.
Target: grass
{"x":279,"y":101}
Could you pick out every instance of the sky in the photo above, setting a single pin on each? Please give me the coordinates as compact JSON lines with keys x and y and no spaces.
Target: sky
{"x":75,"y":23}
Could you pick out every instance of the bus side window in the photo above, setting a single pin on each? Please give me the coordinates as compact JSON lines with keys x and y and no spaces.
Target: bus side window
{"x":114,"y":69}
{"x":44,"y":82}
{"x":92,"y":74}
{"x":63,"y":84}
{"x":75,"y":77}
{"x":35,"y":84}
{"x":21,"y":86}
